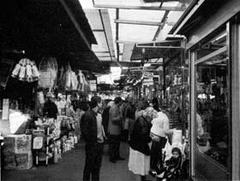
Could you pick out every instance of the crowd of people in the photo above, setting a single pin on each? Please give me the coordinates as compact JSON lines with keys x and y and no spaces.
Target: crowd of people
{"x":142,"y":124}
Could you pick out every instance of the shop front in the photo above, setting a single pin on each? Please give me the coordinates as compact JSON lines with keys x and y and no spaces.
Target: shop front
{"x":41,"y":78}
{"x":213,"y":46}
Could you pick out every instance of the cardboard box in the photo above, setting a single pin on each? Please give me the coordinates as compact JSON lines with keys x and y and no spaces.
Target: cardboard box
{"x":9,"y":162}
{"x":24,"y":161}
{"x":20,"y":161}
{"x":18,"y":143}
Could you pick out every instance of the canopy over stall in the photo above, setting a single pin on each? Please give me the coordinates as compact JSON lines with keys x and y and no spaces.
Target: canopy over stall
{"x":39,"y":28}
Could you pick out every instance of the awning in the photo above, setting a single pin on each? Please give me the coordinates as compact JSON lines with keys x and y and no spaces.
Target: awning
{"x":57,"y":27}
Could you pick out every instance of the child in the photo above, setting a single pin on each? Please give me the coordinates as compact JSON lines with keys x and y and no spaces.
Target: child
{"x":172,"y":168}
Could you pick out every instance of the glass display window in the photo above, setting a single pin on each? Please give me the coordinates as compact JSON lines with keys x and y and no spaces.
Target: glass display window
{"x":212,"y":99}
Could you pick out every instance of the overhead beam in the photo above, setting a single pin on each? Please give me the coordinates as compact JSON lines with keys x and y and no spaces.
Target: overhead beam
{"x":149,"y":42}
{"x":75,"y":23}
{"x":121,"y":21}
{"x":160,"y":47}
{"x":101,"y":51}
{"x":104,"y":30}
{"x":139,"y":7}
{"x":97,"y":30}
{"x":117,"y":34}
{"x":122,"y":63}
{"x":163,"y":22}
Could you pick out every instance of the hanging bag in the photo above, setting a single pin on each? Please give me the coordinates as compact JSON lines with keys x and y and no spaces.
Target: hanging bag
{"x":48,"y":72}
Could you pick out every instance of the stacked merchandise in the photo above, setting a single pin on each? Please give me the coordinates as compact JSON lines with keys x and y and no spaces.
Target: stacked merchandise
{"x":45,"y":144}
{"x":17,"y":152}
{"x":57,"y":151}
{"x":69,"y":138}
{"x":26,"y":70}
{"x":68,"y":143}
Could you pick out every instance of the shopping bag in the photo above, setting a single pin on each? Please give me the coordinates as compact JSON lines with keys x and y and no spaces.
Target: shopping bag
{"x":167,"y":150}
{"x":177,"y":136}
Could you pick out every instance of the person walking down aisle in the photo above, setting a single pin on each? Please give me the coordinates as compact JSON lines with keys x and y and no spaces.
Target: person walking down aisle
{"x":114,"y":129}
{"x":93,"y":134}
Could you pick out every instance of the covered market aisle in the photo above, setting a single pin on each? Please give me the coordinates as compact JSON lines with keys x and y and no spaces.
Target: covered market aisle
{"x":90,"y":69}
{"x":71,"y":166}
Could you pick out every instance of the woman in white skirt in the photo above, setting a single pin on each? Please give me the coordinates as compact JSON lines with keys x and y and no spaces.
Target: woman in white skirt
{"x":139,"y":155}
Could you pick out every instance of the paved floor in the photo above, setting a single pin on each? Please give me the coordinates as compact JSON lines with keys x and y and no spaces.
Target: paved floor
{"x":70,"y":168}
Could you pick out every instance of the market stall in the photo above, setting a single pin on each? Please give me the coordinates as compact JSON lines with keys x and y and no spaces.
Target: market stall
{"x":36,"y":60}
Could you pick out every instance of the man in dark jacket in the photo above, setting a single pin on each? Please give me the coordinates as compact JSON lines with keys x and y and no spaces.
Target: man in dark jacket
{"x":92,"y":132}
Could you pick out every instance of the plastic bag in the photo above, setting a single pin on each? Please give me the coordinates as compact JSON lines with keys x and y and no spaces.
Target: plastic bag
{"x":48,"y":63}
{"x":177,"y":136}
{"x":74,"y":81}
{"x":68,"y":80}
{"x":48,"y":69}
{"x":167,"y":150}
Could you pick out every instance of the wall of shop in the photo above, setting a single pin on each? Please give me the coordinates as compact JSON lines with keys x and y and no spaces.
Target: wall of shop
{"x":228,"y":10}
{"x":222,"y":18}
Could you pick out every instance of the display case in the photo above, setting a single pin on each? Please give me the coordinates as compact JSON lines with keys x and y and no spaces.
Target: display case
{"x":212,"y":120}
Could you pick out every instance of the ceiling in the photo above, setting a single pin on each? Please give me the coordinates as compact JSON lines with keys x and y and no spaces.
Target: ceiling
{"x":121,"y":24}
{"x":40,"y":28}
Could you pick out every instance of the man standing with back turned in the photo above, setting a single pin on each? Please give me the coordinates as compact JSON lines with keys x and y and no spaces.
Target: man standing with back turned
{"x":93,"y":134}
{"x":114,"y":129}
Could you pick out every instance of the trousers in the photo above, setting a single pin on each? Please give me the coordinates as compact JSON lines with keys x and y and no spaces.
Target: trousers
{"x":156,"y":153}
{"x":114,"y":146}
{"x":93,"y":161}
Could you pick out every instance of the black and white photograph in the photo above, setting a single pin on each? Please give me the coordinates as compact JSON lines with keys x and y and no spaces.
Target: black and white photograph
{"x":120,"y":90}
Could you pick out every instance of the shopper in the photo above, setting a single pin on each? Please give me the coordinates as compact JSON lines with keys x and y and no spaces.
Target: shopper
{"x":105,"y":116}
{"x":139,"y":156}
{"x":155,"y":104}
{"x":159,"y":131}
{"x":114,"y":129}
{"x":93,"y":133}
{"x":123,"y":111}
{"x":50,"y":109}
{"x":129,"y":116}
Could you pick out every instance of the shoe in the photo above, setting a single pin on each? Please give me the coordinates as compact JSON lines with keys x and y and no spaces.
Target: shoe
{"x":120,"y":158}
{"x":153,"y":173}
{"x":160,"y":175}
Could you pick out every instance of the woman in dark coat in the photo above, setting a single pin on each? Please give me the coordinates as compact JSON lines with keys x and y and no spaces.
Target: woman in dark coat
{"x":139,"y":156}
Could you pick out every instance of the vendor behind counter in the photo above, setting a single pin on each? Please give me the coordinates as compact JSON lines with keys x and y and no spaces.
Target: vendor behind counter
{"x":50,"y":109}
